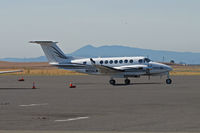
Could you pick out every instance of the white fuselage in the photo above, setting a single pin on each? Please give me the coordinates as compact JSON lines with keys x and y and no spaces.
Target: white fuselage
{"x":131,"y":66}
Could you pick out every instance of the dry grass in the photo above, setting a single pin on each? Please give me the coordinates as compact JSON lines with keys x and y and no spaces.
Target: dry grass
{"x":47,"y":72}
{"x":185,"y":73}
{"x":44,"y":68}
{"x":185,"y":70}
{"x":38,"y":68}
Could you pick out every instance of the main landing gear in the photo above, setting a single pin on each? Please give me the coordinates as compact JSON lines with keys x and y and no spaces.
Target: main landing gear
{"x":168,"y":80}
{"x":112,"y":82}
{"x":126,"y":81}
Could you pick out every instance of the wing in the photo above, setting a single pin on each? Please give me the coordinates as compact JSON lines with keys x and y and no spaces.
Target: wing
{"x":2,"y":72}
{"x":108,"y":70}
{"x":133,"y":68}
{"x":105,"y":69}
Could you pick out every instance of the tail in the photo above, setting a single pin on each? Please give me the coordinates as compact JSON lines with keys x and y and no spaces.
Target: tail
{"x":53,"y":52}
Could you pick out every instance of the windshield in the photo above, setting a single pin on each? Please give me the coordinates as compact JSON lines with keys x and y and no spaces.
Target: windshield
{"x":147,"y":60}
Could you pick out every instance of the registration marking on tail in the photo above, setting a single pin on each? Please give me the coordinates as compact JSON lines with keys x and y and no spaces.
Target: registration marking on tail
{"x":29,"y":105}
{"x":72,"y":119}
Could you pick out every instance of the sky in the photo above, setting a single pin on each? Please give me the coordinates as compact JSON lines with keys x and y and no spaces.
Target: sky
{"x":172,"y":25}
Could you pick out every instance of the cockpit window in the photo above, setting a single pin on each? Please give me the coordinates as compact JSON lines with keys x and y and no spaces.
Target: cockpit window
{"x":147,"y":60}
{"x":84,"y":63}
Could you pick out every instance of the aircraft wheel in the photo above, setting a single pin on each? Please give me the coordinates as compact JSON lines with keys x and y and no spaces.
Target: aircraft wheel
{"x":127,"y":81}
{"x":112,"y":82}
{"x":168,"y":81}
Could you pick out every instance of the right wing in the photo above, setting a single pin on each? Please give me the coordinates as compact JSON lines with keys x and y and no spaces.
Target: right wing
{"x":105,"y":69}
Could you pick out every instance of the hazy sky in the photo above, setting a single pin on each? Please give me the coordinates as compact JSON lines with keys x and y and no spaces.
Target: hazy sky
{"x":151,"y":24}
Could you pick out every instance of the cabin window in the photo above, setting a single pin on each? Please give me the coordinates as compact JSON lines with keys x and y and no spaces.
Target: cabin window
{"x":116,"y":61}
{"x":120,"y":61}
{"x":106,"y":62}
{"x":131,"y":61}
{"x":101,"y":62}
{"x":125,"y":61}
{"x":140,"y":61}
{"x":84,"y":63}
{"x":111,"y":61}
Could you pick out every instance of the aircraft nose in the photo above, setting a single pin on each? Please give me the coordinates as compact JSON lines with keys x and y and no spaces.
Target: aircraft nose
{"x":163,"y":67}
{"x":169,"y":68}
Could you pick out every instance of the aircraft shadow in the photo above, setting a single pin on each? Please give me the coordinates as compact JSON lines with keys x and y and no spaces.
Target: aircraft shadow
{"x":15,"y":88}
{"x":138,"y":84}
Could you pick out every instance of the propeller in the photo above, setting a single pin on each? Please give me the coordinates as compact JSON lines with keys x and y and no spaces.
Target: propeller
{"x":92,"y":61}
{"x":148,"y":70}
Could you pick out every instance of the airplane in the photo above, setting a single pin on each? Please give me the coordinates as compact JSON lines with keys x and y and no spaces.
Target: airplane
{"x":115,"y":67}
{"x":3,"y":72}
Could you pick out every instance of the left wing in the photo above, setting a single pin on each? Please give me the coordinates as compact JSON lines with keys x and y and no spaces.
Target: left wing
{"x":105,"y":69}
{"x":2,"y":72}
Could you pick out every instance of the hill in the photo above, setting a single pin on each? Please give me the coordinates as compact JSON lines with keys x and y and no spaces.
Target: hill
{"x":156,"y":55}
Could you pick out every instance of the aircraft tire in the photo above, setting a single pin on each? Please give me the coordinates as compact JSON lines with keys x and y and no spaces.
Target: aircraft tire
{"x":168,"y":81}
{"x":127,"y":81}
{"x":112,"y":82}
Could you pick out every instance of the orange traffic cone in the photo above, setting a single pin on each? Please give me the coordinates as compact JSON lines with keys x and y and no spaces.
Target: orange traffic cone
{"x":33,"y":86}
{"x":22,"y":79}
{"x":71,"y":85}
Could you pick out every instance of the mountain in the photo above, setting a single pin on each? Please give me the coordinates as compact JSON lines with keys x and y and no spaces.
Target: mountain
{"x":156,"y":55}
{"x":116,"y":51}
{"x":37,"y":59}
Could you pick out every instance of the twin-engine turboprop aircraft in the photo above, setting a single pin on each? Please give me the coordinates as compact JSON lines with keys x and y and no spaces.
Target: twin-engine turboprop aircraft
{"x":115,"y":67}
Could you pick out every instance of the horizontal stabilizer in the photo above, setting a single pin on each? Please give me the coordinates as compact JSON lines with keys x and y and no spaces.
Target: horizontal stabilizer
{"x":2,"y":72}
{"x":42,"y":42}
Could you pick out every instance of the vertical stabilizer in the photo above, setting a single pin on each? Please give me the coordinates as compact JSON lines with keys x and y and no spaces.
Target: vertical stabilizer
{"x":53,"y":52}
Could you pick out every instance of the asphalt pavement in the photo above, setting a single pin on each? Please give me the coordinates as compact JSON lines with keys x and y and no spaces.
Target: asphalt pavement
{"x":95,"y":105}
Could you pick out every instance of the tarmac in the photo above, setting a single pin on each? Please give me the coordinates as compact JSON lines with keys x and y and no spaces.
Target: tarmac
{"x":96,"y":106}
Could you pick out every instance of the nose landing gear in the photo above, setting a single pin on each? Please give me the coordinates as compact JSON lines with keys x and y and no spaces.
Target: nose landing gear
{"x":168,"y":80}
